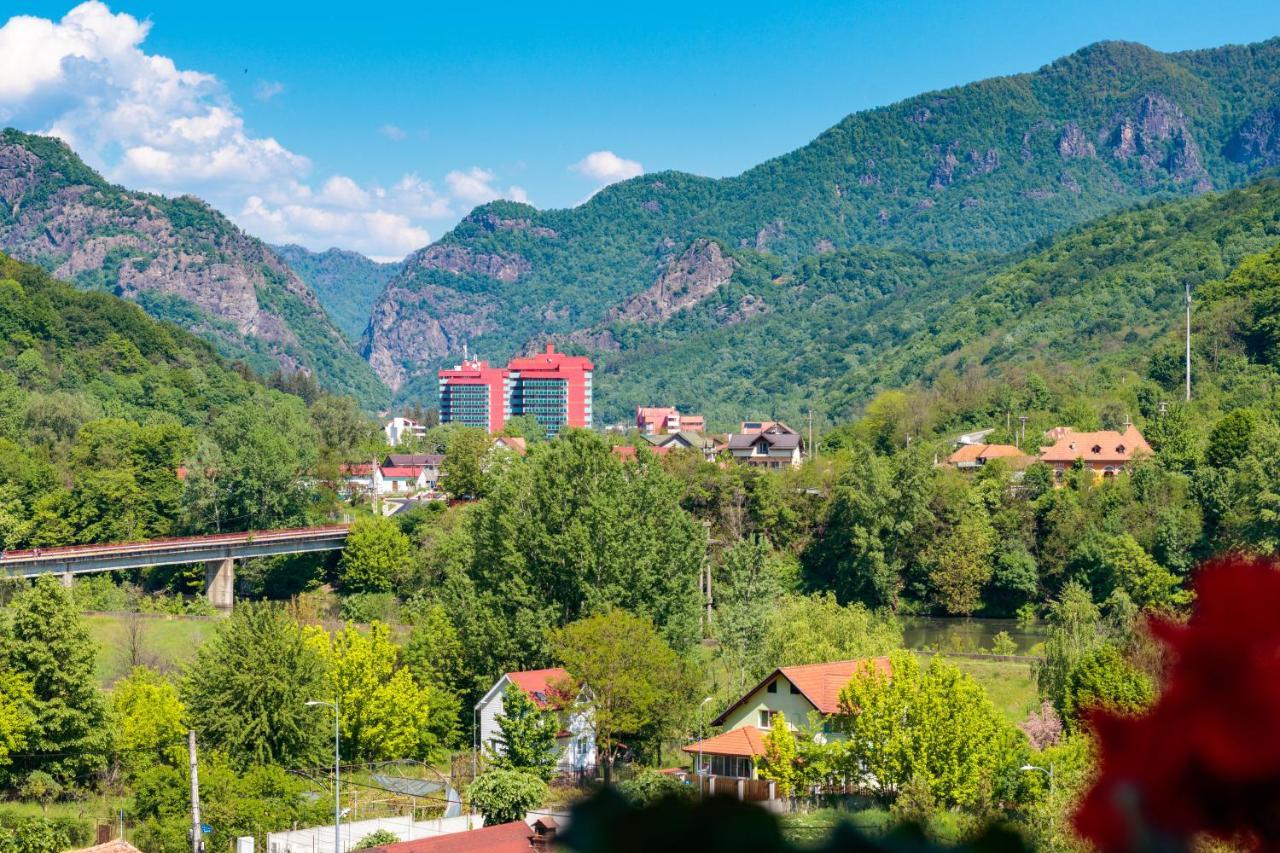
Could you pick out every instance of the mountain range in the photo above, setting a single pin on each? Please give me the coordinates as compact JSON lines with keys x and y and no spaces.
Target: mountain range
{"x":851,"y":263}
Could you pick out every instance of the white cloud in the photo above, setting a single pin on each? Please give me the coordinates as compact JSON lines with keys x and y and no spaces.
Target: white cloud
{"x":148,"y":124}
{"x":606,"y":167}
{"x":475,"y":186}
{"x":392,"y":132}
{"x":265,"y":90}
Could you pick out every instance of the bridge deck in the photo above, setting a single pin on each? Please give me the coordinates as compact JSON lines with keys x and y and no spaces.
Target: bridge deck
{"x":81,"y":559}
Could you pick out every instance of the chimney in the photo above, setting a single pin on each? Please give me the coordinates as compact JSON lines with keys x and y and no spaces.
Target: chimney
{"x":544,"y":834}
{"x":551,"y":348}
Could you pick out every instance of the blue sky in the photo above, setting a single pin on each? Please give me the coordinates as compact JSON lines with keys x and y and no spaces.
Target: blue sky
{"x":376,"y":126}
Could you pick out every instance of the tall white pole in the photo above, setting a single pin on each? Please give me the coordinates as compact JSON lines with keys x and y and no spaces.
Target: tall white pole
{"x":337,"y":774}
{"x":1188,"y":342}
{"x":197,"y":838}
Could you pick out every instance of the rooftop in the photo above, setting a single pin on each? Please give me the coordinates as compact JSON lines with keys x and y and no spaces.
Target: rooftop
{"x":539,"y":684}
{"x":1101,"y":446}
{"x":820,"y":683}
{"x":746,"y":742}
{"x":503,"y":838}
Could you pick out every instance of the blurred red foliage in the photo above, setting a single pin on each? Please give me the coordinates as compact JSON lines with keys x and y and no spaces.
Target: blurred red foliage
{"x":1206,"y":757}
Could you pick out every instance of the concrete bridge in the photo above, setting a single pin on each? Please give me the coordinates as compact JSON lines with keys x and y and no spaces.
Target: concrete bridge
{"x":218,"y":552}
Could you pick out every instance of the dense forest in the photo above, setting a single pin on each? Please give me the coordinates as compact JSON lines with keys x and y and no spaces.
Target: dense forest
{"x":346,"y":283}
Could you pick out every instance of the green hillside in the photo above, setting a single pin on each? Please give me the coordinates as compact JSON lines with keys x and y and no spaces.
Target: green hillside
{"x":346,"y":283}
{"x":178,"y":258}
{"x":986,"y":167}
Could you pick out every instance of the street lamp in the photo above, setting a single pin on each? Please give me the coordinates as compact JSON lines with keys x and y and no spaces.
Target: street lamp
{"x":1028,"y":767}
{"x":337,"y":777}
{"x":702,"y":735}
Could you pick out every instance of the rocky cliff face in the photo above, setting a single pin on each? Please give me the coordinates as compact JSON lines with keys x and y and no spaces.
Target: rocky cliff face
{"x":179,"y":258}
{"x":1256,"y":143}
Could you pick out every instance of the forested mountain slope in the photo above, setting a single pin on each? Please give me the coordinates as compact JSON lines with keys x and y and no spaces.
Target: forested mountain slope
{"x":346,"y":283}
{"x":177,"y":258}
{"x":986,"y":167}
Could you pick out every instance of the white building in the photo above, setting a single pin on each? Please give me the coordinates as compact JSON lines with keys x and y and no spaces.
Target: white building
{"x":399,"y":428}
{"x":577,"y":737}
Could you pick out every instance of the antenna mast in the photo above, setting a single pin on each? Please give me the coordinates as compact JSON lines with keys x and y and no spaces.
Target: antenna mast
{"x":1188,"y":342}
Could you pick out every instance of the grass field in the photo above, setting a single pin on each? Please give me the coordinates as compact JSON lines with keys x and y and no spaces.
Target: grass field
{"x":1010,"y":684}
{"x":165,"y":642}
{"x":810,"y":829}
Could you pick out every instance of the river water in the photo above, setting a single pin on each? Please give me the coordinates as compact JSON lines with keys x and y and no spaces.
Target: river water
{"x":954,"y":634}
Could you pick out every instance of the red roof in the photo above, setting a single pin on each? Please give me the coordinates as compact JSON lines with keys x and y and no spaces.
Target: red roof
{"x":551,"y":361}
{"x":746,"y":742}
{"x":402,"y":471}
{"x":503,"y":838}
{"x":974,"y":452}
{"x":539,"y":684}
{"x":820,"y":683}
{"x":1103,"y":446}
{"x":360,"y":469}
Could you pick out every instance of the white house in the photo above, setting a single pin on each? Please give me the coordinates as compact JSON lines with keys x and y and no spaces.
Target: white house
{"x":767,"y":444}
{"x":400,"y":428}
{"x":577,"y":737}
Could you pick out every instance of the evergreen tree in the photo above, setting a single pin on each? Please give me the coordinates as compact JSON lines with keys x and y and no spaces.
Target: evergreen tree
{"x":526,"y":737}
{"x":47,"y":644}
{"x":247,"y":687}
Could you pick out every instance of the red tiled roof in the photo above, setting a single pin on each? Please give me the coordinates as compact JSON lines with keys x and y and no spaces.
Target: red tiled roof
{"x":539,"y":684}
{"x":504,"y":838}
{"x":974,"y":452}
{"x":820,"y":683}
{"x":405,"y":471}
{"x":1103,"y":446}
{"x":623,"y":451}
{"x":746,"y":742}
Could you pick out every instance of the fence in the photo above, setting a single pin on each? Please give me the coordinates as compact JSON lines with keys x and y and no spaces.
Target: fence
{"x":748,"y":790}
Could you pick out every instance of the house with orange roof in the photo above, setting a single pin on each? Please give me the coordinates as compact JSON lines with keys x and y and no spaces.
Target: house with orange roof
{"x":1105,"y":452}
{"x":793,"y":691}
{"x":973,"y":456}
{"x":547,"y":688}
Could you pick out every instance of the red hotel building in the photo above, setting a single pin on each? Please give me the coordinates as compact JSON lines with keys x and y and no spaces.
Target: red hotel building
{"x":553,"y":387}
{"x":475,"y":394}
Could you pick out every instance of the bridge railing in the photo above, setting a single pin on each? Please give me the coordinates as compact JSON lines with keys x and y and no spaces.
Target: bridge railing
{"x":177,"y":544}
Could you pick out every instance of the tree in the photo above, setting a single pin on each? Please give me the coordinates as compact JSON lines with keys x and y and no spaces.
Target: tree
{"x":652,"y":786}
{"x":504,"y":796}
{"x":629,"y":673}
{"x":747,"y":586}
{"x":41,"y":787}
{"x":959,"y":560}
{"x":247,"y":687}
{"x":933,"y":725}
{"x":462,"y":474}
{"x":149,"y":719}
{"x":1075,"y":629}
{"x":375,"y":556}
{"x":816,"y":628}
{"x":16,"y":717}
{"x":1014,"y":580}
{"x":1104,"y":679}
{"x":1174,"y":439}
{"x":1231,"y":438}
{"x":47,"y":644}
{"x":384,"y":712}
{"x":778,"y":762}
{"x":344,"y":432}
{"x":526,"y":737}
{"x":434,"y":652}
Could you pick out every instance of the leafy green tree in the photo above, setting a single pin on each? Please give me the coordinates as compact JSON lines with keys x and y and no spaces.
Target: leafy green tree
{"x":376,"y":555}
{"x":149,"y":721}
{"x":1174,"y":439}
{"x":343,"y":431}
{"x":1014,"y":580}
{"x":504,"y":796}
{"x":463,"y":474}
{"x":816,"y":628}
{"x":1104,"y":679}
{"x":747,"y":587}
{"x":46,"y":643}
{"x":778,"y":763}
{"x":384,"y":712}
{"x":41,"y":787}
{"x":526,"y":738}
{"x":247,"y":687}
{"x":1075,"y":630}
{"x":959,"y":559}
{"x":1231,"y":438}
{"x":16,"y":717}
{"x":434,"y":651}
{"x":932,"y":724}
{"x":1252,"y":515}
{"x":1003,"y":644}
{"x":629,"y":672}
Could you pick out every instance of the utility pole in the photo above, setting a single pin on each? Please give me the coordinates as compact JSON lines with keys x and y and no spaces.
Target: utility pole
{"x":1188,"y":342}
{"x":197,"y":834}
{"x":812,"y":449}
{"x":1022,"y":432}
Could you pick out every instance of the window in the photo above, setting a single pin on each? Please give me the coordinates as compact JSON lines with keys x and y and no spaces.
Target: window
{"x":795,"y":691}
{"x":773,"y":686}
{"x":766,"y":718}
{"x":727,"y":765}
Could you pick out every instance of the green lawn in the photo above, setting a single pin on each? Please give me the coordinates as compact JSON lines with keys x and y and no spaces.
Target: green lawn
{"x":165,"y":642}
{"x":1010,"y":684}
{"x":812,"y":828}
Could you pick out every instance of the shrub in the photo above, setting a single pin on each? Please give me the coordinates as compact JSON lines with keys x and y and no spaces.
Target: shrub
{"x":1003,"y":644}
{"x":650,"y":786}
{"x":503,"y":796}
{"x":366,"y":607}
{"x":376,"y":839}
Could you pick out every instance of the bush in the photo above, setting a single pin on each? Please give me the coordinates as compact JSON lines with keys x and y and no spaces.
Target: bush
{"x":376,"y":839}
{"x":99,"y":593}
{"x":650,"y":786}
{"x":1003,"y":644}
{"x":366,"y":607}
{"x":503,"y":796}
{"x":40,"y":834}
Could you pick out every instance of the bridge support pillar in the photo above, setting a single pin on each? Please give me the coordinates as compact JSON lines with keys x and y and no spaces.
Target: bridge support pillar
{"x":67,"y":579}
{"x":220,"y":582}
